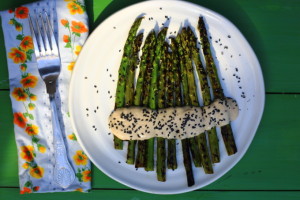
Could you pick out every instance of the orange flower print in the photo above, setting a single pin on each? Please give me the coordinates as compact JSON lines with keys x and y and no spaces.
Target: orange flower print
{"x":23,"y":67}
{"x":29,"y":81}
{"x":71,"y":66}
{"x":64,"y":22}
{"x":78,"y":49}
{"x":25,"y":190}
{"x":27,"y":153}
{"x":66,"y":38}
{"x":41,"y":148}
{"x":72,"y":137}
{"x":79,"y":190}
{"x":75,"y":8}
{"x":31,"y":106}
{"x":11,"y":11}
{"x":19,"y":94}
{"x":37,"y":172}
{"x":26,"y":43}
{"x":21,"y":12}
{"x":18,"y":27}
{"x":32,"y":129}
{"x":20,"y":119}
{"x":80,"y":158}
{"x":17,"y":56}
{"x":36,"y":188}
{"x":25,"y":165}
{"x":86,"y":175}
{"x":78,"y":27}
{"x":33,"y":97}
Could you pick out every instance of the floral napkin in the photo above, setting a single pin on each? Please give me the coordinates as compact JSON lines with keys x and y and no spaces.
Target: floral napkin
{"x":30,"y":102}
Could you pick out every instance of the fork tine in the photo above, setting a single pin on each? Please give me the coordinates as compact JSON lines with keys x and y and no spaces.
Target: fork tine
{"x":45,"y":35}
{"x":35,"y":43}
{"x":40,"y":41}
{"x":52,"y":40}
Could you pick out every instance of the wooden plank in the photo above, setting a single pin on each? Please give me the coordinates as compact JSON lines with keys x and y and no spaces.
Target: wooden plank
{"x":276,"y":41}
{"x":9,"y":168}
{"x":271,"y":163}
{"x":4,"y":82}
{"x":13,"y":194}
{"x":13,"y":3}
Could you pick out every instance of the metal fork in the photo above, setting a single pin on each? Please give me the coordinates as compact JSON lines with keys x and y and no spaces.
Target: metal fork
{"x":48,"y":60}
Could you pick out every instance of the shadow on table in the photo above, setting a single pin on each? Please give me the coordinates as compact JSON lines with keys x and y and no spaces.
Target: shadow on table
{"x":13,"y":4}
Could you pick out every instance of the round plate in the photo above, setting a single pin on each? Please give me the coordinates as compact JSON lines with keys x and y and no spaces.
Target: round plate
{"x":93,"y":86}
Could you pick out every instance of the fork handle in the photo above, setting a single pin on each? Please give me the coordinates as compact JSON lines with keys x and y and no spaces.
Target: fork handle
{"x":63,"y":173}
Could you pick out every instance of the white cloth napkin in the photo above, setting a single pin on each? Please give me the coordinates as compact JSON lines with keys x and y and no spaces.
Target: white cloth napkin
{"x":30,"y":102}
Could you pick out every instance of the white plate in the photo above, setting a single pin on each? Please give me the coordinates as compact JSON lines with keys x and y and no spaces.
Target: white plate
{"x":95,"y":76}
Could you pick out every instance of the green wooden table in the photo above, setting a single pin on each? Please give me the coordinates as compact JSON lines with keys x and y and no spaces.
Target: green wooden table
{"x":271,"y":167}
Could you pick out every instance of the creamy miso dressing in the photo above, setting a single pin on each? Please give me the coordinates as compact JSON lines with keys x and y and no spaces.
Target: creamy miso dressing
{"x":140,"y":123}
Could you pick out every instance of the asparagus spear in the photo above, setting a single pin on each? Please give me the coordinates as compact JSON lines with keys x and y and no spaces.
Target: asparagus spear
{"x":161,"y":101}
{"x":178,"y":102}
{"x":170,"y":102}
{"x":212,"y":134}
{"x":211,"y":69}
{"x":186,"y":100}
{"x":201,"y":139}
{"x":129,"y":90}
{"x":120,"y":92}
{"x":141,"y":97}
{"x":153,"y":93}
